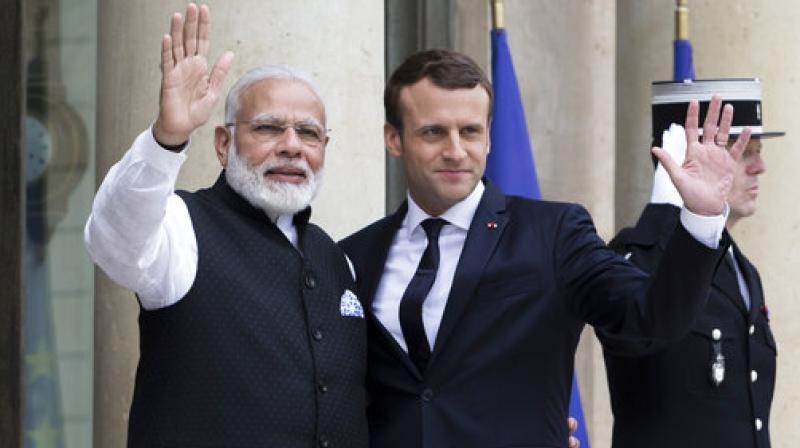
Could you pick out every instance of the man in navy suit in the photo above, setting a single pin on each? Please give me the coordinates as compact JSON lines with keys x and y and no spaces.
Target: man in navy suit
{"x":476,"y":300}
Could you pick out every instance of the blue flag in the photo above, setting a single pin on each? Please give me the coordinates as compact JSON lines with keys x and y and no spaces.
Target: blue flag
{"x":682,"y":66}
{"x":510,"y":163}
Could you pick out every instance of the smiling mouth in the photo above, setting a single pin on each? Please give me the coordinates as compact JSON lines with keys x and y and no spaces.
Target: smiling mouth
{"x":286,"y":174}
{"x":447,"y":172}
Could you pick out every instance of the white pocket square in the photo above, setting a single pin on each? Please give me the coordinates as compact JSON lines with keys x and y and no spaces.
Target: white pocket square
{"x":350,"y":306}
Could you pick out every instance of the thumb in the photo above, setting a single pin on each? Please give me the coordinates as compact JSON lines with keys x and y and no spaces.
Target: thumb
{"x":219,"y":71}
{"x":673,"y":169}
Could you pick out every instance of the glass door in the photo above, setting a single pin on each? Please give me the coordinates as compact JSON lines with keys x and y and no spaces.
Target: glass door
{"x":60,"y":47}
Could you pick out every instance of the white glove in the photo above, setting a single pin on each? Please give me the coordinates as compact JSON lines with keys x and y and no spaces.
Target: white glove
{"x":674,"y":142}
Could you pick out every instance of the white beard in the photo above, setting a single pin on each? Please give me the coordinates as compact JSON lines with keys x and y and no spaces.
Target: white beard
{"x":274,"y":198}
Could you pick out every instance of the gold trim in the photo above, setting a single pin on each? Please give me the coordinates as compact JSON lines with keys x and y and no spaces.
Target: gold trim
{"x":497,"y":14}
{"x":682,"y":20}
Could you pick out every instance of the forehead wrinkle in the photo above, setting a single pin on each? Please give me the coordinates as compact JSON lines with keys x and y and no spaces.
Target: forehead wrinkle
{"x":274,"y":84}
{"x":440,"y":106}
{"x":266,"y":116}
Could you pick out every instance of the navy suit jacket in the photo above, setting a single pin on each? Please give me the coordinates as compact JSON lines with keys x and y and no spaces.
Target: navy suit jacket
{"x":531,"y":274}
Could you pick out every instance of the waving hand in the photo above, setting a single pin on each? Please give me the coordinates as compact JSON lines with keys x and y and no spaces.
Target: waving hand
{"x":706,"y":175}
{"x":188,"y":91}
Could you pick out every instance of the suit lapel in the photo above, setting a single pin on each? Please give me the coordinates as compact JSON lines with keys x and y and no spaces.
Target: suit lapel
{"x":752,"y":282}
{"x":725,"y":280}
{"x":484,"y":233}
{"x":373,"y":271}
{"x":370,"y":278}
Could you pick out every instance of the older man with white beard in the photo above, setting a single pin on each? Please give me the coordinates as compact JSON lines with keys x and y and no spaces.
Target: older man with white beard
{"x":251,"y":334}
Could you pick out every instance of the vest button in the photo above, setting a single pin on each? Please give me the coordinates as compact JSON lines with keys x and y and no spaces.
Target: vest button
{"x":322,"y":388}
{"x":310,"y":281}
{"x":759,"y":424}
{"x":323,"y":442}
{"x":426,"y":395}
{"x":753,"y":376}
{"x":317,"y":334}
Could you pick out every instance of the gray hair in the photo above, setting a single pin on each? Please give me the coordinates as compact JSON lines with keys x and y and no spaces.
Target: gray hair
{"x":263,"y":73}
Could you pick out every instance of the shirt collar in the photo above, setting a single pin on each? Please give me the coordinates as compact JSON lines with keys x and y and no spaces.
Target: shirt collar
{"x":284,"y":221}
{"x":459,"y":215}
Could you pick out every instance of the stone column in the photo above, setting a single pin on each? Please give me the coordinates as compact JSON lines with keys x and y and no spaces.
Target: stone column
{"x":564,"y":56}
{"x":339,"y":43}
{"x":756,"y":38}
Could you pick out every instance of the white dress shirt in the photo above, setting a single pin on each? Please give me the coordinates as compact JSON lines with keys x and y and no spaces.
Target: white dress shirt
{"x":140,"y":232}
{"x":404,"y":255}
{"x":410,"y":241}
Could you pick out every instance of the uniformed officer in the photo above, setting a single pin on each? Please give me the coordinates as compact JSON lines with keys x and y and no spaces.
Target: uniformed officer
{"x":714,"y":387}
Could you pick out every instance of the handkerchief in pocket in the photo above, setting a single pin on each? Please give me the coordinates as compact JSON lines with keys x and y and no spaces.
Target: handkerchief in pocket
{"x":350,"y":306}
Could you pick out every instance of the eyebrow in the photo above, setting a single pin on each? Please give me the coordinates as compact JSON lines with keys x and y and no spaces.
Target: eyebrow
{"x":442,"y":126}
{"x":266,"y":116}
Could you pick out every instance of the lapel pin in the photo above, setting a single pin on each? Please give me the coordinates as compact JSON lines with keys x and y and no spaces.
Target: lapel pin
{"x":491,"y":224}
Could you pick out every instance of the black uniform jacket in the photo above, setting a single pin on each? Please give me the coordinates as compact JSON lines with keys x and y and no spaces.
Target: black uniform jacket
{"x":667,"y":397}
{"x":530,"y":275}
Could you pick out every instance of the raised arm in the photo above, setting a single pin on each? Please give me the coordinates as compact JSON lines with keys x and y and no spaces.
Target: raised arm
{"x":139,"y":231}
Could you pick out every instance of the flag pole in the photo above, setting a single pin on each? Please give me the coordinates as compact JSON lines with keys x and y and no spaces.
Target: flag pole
{"x":497,"y":14}
{"x":682,"y":20}
{"x":682,"y":66}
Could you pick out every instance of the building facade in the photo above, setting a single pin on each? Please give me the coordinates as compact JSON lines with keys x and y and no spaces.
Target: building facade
{"x":81,"y":82}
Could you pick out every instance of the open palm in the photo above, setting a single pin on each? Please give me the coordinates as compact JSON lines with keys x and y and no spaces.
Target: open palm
{"x":706,"y":175}
{"x":188,"y":91}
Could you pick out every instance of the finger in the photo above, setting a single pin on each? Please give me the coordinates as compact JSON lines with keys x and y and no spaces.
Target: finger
{"x":574,"y":443}
{"x":740,"y":144}
{"x":219,"y":71}
{"x":724,"y":130}
{"x":202,"y":31}
{"x":167,"y":63}
{"x":572,"y":424}
{"x":692,"y":113}
{"x":190,"y":30}
{"x":712,"y":118}
{"x":667,"y":161}
{"x":176,"y":31}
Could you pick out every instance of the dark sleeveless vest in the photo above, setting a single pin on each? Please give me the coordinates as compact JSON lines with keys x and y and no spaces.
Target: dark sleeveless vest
{"x":257,"y":354}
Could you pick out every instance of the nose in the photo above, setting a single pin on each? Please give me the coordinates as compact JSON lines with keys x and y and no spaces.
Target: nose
{"x":290,"y":145}
{"x":454,"y":147}
{"x":757,"y":166}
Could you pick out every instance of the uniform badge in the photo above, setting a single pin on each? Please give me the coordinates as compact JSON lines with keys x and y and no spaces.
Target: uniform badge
{"x":717,"y":374}
{"x":718,"y":370}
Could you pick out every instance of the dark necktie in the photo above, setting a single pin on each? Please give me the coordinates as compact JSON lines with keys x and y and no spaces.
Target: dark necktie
{"x":419,"y":287}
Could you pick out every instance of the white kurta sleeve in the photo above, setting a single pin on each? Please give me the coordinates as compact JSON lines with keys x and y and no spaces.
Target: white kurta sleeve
{"x":139,"y":232}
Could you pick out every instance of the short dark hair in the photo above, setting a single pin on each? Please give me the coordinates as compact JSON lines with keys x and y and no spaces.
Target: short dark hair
{"x":447,"y":69}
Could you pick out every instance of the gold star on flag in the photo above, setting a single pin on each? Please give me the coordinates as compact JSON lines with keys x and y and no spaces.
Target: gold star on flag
{"x":45,"y":435}
{"x":39,"y":363}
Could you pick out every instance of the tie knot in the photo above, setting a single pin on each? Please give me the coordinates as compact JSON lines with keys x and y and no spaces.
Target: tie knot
{"x":432,"y":227}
